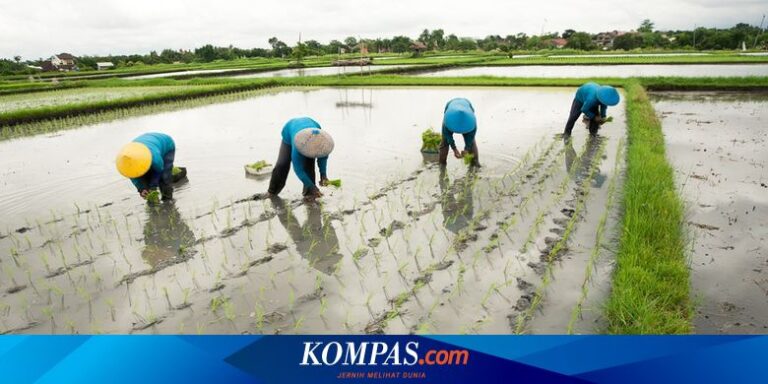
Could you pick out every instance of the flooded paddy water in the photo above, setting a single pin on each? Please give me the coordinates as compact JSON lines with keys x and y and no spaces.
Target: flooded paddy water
{"x":717,"y":145}
{"x":522,"y":244}
{"x":623,"y":71}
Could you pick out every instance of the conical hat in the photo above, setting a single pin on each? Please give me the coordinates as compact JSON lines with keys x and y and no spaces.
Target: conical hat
{"x":313,"y":142}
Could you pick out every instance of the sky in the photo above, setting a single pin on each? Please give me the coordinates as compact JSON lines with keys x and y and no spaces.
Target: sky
{"x":41,"y":28}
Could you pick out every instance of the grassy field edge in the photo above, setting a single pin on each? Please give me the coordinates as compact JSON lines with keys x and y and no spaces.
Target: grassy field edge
{"x":651,"y":283}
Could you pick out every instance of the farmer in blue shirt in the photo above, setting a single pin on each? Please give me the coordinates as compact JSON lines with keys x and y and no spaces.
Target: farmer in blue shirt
{"x":459,"y":117}
{"x":148,"y":162}
{"x":302,"y":142}
{"x":592,"y":100}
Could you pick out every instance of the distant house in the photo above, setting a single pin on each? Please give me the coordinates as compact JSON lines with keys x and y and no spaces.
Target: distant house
{"x":104,"y":65}
{"x":418,"y":48}
{"x":604,"y":40}
{"x":558,"y":43}
{"x":60,"y":62}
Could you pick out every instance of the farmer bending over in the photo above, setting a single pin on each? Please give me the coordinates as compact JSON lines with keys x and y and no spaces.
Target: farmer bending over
{"x":459,"y":117}
{"x":148,"y":162}
{"x":592,"y":100}
{"x":303,"y":141}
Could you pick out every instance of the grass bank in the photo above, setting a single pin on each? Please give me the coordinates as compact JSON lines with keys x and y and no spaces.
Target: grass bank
{"x":651,"y":284}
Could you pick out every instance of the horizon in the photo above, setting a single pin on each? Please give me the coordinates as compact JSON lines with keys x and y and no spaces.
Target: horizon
{"x":113,"y":28}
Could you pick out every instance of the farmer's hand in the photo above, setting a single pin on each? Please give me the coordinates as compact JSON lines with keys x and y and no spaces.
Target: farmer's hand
{"x":144,"y":193}
{"x":458,"y":154}
{"x":324,"y":181}
{"x":599,"y":119}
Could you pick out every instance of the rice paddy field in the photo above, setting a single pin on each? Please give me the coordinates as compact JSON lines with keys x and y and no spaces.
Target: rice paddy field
{"x":15,"y":102}
{"x":549,"y":235}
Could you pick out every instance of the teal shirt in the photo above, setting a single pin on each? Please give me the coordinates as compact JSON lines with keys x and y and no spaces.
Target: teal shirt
{"x":587,"y":96}
{"x":290,"y":129}
{"x":469,"y":137}
{"x":159,"y":145}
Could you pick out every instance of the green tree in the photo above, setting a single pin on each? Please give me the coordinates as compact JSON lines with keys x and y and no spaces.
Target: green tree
{"x":314,"y":47}
{"x":425,"y":38}
{"x":646,"y":26}
{"x":279,"y":48}
{"x":299,"y":51}
{"x":401,"y":44}
{"x":436,"y":37}
{"x":351,"y":43}
{"x":628,"y":41}
{"x":568,"y":33}
{"x":206,"y":53}
{"x":452,"y":43}
{"x":580,"y":40}
{"x":467,"y":44}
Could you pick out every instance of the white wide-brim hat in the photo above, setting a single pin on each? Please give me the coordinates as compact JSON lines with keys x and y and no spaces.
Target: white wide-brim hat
{"x":313,"y":142}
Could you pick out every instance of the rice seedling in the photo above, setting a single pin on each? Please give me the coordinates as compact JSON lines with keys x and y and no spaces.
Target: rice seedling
{"x":538,"y":296}
{"x":576,"y":311}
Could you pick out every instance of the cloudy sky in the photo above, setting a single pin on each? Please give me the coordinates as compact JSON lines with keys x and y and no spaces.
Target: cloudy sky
{"x":40,"y":28}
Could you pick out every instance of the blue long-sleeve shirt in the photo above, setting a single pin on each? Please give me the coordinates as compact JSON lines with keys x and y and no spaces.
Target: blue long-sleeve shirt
{"x":469,"y":137}
{"x":290,"y":129}
{"x":587,"y":96}
{"x":159,"y":145}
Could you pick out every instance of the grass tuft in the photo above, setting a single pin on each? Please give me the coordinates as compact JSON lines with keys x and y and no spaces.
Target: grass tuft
{"x":651,"y":283}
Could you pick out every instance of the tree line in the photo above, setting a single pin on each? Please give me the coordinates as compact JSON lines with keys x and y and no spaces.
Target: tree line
{"x":644,"y":37}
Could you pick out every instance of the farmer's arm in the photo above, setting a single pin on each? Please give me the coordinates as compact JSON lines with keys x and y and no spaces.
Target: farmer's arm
{"x":603,"y":110}
{"x":297,"y":161}
{"x":448,"y":138}
{"x":155,"y":171}
{"x":589,"y":105}
{"x":322,"y":165}
{"x":138,"y":184}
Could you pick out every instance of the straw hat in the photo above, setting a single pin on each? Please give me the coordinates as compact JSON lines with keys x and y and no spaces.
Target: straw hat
{"x":313,"y":142}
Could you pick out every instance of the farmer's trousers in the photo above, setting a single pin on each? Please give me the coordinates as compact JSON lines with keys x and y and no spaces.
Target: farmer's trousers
{"x":283,"y":167}
{"x":574,"y":116}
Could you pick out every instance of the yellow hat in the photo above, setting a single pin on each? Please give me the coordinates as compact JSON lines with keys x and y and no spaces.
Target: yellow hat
{"x":133,"y":160}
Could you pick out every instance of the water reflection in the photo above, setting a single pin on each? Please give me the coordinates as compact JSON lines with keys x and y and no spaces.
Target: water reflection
{"x":584,"y":162}
{"x":457,"y":199}
{"x":166,"y":234}
{"x":316,"y":240}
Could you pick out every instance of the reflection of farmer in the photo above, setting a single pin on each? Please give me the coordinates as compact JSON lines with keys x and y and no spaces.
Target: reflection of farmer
{"x":166,"y":234}
{"x":592,"y":100}
{"x":303,"y":141}
{"x":316,"y":240}
{"x":584,"y":163}
{"x":459,"y":117}
{"x":148,"y":162}
{"x":456,"y":200}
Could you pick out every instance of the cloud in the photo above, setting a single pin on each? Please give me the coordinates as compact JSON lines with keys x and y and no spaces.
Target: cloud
{"x":43,"y":27}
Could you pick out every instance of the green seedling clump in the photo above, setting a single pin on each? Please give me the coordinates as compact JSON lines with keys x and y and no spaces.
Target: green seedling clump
{"x":608,"y":119}
{"x":153,"y":197}
{"x":430,"y":141}
{"x":336,"y":183}
{"x":468,"y":158}
{"x":259,"y":165}
{"x":175,"y":171}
